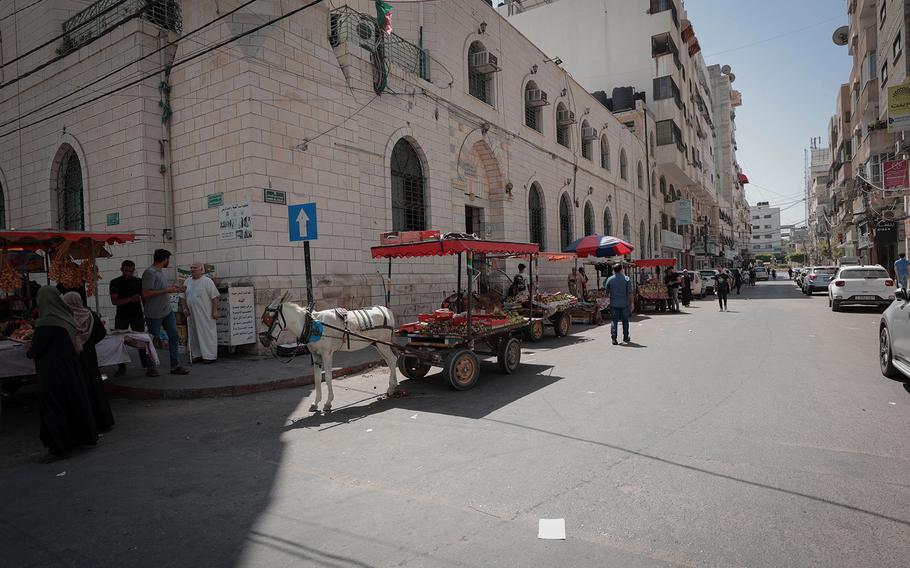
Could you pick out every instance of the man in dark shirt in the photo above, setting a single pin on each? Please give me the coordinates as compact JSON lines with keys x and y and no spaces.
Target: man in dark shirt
{"x":126,"y":295}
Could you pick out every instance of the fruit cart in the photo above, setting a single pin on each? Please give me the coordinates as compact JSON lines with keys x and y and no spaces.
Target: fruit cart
{"x":545,"y":309}
{"x":454,"y":339}
{"x":650,"y":290}
{"x":591,"y":309}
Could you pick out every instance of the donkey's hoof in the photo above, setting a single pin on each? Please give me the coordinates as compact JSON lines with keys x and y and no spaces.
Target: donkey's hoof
{"x":327,"y":408}
{"x":314,"y":408}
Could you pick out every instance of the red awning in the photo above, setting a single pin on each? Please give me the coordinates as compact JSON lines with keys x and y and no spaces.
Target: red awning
{"x":441,"y":247}
{"x":47,"y":238}
{"x":652,"y":262}
{"x":741,"y":177}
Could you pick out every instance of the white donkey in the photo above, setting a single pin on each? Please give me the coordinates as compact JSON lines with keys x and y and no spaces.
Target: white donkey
{"x":326,"y":332}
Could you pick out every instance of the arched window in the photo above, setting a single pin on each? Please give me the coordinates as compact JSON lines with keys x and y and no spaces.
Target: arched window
{"x":589,"y":219}
{"x":564,"y":121}
{"x":533,"y":103}
{"x":672,"y":194}
{"x":642,"y":240}
{"x":626,"y":229}
{"x":588,"y":135}
{"x":536,"y":215}
{"x":640,"y":176}
{"x":2,"y":209}
{"x":664,"y":222}
{"x":653,"y":183}
{"x":408,"y":189}
{"x":70,"y":206}
{"x":480,"y":73}
{"x":623,"y":165}
{"x":565,"y":222}
{"x":663,"y":186}
{"x":604,"y":152}
{"x":673,"y":224}
{"x":656,"y":241}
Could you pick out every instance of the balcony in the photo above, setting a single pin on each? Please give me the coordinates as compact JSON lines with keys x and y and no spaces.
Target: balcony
{"x":350,"y":26}
{"x":663,"y":44}
{"x":658,"y":6}
{"x":103,"y":16}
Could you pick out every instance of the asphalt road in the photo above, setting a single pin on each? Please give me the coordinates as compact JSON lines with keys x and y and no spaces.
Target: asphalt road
{"x":763,"y":436}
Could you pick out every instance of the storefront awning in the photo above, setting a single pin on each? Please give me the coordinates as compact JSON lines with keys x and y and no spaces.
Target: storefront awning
{"x":440,"y":247}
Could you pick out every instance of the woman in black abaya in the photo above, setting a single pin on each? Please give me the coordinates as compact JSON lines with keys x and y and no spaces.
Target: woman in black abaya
{"x":67,"y":420}
{"x":89,"y":331}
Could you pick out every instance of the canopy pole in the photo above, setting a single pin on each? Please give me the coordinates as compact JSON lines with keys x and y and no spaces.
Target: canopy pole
{"x":95,"y":278}
{"x":469,"y":270}
{"x":459,"y":299}
{"x":388,"y":290}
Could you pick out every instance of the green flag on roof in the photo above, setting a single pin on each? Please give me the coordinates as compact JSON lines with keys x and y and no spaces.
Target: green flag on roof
{"x":384,"y":16}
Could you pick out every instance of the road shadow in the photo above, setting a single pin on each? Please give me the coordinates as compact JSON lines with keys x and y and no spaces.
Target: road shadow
{"x":550,"y":342}
{"x":434,"y":395}
{"x":907,"y":387}
{"x":633,"y":345}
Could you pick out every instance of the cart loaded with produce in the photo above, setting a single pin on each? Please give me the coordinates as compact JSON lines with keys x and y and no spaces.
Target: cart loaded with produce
{"x":591,"y":310}
{"x":451,"y":339}
{"x":651,"y":292}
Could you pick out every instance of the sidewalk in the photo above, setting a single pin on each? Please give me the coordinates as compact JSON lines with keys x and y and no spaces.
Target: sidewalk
{"x":232,"y":375}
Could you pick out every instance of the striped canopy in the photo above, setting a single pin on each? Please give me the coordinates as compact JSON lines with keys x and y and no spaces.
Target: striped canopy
{"x":599,"y":245}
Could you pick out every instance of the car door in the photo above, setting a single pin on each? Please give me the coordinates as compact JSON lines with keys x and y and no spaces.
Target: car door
{"x":899,"y":326}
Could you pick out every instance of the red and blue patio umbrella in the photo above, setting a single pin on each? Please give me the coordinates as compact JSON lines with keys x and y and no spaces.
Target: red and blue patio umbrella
{"x":599,"y":245}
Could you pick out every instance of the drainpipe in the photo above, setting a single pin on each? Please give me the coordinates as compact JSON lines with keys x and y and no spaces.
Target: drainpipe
{"x":168,"y":233}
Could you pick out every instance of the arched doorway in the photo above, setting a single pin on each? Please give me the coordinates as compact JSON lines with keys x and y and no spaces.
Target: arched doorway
{"x":408,"y":189}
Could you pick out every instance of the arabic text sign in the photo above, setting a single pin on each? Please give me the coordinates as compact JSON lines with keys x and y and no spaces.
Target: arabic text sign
{"x":236,"y":221}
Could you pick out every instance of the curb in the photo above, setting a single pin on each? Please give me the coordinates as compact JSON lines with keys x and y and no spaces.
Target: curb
{"x":145,"y":393}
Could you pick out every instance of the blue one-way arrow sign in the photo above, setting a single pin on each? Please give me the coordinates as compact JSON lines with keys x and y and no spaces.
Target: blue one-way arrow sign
{"x":302,"y":222}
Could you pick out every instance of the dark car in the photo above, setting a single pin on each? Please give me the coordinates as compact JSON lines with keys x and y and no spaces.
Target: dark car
{"x":817,"y":279}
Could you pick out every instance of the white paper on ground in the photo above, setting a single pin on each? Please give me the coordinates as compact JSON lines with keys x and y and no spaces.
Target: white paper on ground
{"x":552,"y":529}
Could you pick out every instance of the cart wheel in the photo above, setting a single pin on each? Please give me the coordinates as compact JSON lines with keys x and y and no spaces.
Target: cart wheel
{"x":412,"y":367}
{"x":535,"y":330}
{"x":462,"y":369}
{"x":597,"y":318}
{"x":562,"y":325}
{"x":509,"y":355}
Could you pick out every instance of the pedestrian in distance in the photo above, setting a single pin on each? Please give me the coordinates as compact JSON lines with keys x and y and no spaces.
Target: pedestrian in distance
{"x":902,"y":270}
{"x":67,"y":420}
{"x":200,"y":304}
{"x":722,"y":287}
{"x":619,"y":290}
{"x":790,"y":273}
{"x":737,"y":280}
{"x":89,"y":331}
{"x":156,"y":291}
{"x":773,"y":274}
{"x":686,"y":287}
{"x":671,"y":281}
{"x":572,"y":283}
{"x":582,"y":282}
{"x":126,"y":296}
{"x":752,"y":277}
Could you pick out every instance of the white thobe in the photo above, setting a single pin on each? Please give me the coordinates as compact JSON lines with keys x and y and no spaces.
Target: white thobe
{"x":203,"y":335}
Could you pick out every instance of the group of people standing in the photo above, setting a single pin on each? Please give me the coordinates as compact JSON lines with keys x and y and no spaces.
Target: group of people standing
{"x":74,"y":406}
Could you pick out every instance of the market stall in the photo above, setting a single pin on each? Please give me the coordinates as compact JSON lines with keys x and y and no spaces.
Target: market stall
{"x":453,"y":338}
{"x":650,"y":290}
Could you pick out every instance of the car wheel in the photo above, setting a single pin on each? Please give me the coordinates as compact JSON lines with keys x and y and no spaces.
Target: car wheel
{"x":835,"y":306}
{"x":885,"y":355}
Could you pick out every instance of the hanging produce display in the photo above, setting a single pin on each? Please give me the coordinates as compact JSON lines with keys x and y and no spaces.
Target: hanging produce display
{"x":10,"y":279}
{"x":66,"y":272}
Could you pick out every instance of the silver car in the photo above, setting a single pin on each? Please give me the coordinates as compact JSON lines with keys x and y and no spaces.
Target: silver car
{"x":894,"y":337}
{"x":817,"y":279}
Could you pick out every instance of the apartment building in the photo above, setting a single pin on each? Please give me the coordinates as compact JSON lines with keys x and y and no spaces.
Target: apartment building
{"x":495,"y":139}
{"x":766,"y":235}
{"x":649,"y":51}
{"x":818,"y":199}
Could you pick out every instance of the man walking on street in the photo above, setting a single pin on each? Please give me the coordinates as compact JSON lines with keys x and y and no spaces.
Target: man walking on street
{"x":620,"y":291}
{"x":737,"y":280}
{"x":156,"y":291}
{"x":126,"y":295}
{"x":902,"y":270}
{"x":722,"y":287}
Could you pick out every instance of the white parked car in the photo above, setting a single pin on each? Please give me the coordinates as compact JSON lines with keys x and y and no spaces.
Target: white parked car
{"x":894,"y":338}
{"x":761,"y":273}
{"x":707,"y":276}
{"x":868,"y":285}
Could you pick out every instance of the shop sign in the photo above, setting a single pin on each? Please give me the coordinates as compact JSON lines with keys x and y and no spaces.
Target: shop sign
{"x":899,"y":107}
{"x":113,"y":219}
{"x":684,"y":212}
{"x":236,"y":221}
{"x":275,"y":197}
{"x":671,"y":240}
{"x":895,"y":174}
{"x":214,"y":200}
{"x":885,"y":230}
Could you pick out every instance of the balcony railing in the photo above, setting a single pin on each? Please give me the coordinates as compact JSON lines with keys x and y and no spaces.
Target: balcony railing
{"x":102,"y":16}
{"x":350,"y":26}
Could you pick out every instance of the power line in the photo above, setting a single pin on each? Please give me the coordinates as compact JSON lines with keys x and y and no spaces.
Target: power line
{"x":774,"y":37}
{"x":129,"y":64}
{"x":20,"y":10}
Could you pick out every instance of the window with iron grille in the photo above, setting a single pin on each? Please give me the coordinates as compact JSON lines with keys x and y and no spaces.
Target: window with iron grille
{"x":664,"y":222}
{"x":640,"y":175}
{"x":565,"y":222}
{"x":408,"y":189}
{"x":70,"y":207}
{"x":587,"y":149}
{"x":623,"y":165}
{"x":480,"y":85}
{"x":642,"y":240}
{"x":589,"y":219}
{"x":626,"y":229}
{"x":608,"y":222}
{"x":536,"y":215}
{"x":533,"y":118}
{"x":604,"y":153}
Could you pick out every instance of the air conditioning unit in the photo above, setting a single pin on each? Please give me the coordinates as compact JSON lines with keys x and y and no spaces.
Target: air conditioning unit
{"x":565,"y":118}
{"x":484,"y":62}
{"x":589,"y":133}
{"x":536,"y":98}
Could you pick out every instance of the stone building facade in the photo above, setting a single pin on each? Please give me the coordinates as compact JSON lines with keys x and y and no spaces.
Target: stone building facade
{"x":451,"y":144}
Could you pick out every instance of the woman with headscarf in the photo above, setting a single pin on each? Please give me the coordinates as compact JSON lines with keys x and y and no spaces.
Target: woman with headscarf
{"x":67,"y":420}
{"x":89,"y":331}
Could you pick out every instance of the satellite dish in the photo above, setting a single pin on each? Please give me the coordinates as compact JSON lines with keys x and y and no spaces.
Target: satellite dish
{"x":731,"y":76}
{"x":725,"y":69}
{"x":841,"y":35}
